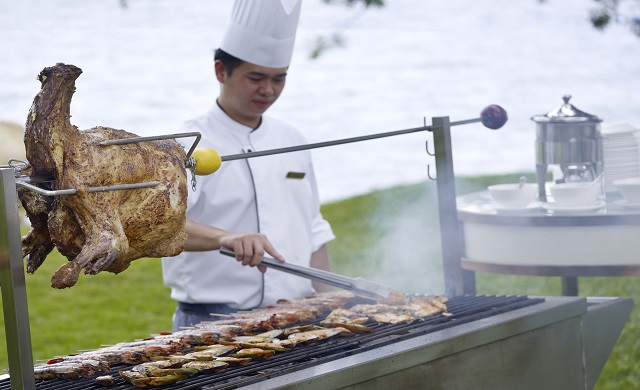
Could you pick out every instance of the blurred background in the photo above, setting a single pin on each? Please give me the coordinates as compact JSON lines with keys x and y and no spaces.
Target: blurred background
{"x":148,"y":67}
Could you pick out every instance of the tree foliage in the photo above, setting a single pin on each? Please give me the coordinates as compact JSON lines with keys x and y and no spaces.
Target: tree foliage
{"x":613,"y":11}
{"x":337,"y":39}
{"x":604,"y":13}
{"x":367,"y":3}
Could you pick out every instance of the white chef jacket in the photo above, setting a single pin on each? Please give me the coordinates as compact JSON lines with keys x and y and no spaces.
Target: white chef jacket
{"x":275,"y":195}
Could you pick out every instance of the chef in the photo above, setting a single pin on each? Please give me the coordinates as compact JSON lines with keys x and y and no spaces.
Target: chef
{"x":260,"y":206}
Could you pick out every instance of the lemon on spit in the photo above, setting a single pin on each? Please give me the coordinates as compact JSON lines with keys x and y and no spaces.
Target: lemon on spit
{"x":207,"y":161}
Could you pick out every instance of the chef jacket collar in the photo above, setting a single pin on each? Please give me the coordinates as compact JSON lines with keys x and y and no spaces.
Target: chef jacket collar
{"x":235,"y":125}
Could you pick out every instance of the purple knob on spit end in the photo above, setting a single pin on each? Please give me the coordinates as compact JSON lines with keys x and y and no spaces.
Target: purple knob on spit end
{"x":493,"y":116}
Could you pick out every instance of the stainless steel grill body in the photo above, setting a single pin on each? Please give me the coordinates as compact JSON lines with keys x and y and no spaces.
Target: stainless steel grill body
{"x":491,"y":343}
{"x":562,"y":343}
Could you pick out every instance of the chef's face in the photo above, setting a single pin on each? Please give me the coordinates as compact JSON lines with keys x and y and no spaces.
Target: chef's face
{"x":249,"y":91}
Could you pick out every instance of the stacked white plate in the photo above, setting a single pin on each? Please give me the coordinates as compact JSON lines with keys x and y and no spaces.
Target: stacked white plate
{"x":621,"y":153}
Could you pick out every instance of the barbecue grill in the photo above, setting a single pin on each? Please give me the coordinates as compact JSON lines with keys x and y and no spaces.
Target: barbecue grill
{"x":488,"y":342}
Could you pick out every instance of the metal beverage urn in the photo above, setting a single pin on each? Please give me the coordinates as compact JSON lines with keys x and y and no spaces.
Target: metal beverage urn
{"x":568,"y":149}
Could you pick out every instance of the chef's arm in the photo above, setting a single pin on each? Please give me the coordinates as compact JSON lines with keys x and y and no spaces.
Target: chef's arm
{"x":320,"y":260}
{"x":248,"y":247}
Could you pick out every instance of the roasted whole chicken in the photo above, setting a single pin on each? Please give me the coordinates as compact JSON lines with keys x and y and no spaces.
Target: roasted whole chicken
{"x":97,"y":231}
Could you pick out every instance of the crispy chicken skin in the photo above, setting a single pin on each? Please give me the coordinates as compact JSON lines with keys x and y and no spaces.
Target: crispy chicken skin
{"x":98,"y":231}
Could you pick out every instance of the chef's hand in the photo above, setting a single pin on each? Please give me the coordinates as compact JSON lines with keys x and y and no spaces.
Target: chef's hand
{"x":250,"y":248}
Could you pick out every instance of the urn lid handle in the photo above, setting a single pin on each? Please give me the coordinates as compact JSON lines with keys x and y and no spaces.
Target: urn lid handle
{"x":566,"y":112}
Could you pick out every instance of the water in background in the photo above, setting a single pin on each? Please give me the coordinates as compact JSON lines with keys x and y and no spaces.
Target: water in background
{"x":148,"y":67}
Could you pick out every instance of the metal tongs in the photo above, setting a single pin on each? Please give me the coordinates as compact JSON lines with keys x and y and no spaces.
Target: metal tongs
{"x":360,"y":287}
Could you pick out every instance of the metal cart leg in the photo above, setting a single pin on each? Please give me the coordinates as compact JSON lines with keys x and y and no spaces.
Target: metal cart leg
{"x":14,"y":291}
{"x":570,"y":286}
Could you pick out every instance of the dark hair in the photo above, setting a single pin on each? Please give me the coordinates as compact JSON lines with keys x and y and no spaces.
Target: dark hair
{"x":230,"y":62}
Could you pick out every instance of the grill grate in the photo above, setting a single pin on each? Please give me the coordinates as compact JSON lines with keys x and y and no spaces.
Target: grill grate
{"x":465,"y":309}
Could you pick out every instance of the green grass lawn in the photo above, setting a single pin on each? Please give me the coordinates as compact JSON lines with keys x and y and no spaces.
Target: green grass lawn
{"x":390,"y":236}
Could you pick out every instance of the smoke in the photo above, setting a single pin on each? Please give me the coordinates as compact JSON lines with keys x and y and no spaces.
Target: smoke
{"x":393,"y":237}
{"x":406,"y":253}
{"x":12,"y":145}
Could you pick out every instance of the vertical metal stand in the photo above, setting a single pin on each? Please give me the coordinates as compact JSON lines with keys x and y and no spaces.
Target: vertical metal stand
{"x":456,"y":280}
{"x":570,"y":286}
{"x":13,"y":286}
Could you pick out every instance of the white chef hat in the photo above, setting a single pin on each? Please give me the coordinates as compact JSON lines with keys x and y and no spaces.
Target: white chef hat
{"x":262,"y":32}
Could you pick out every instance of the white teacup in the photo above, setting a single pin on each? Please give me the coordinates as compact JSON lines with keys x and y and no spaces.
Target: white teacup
{"x":513,"y":195}
{"x":630,"y":189}
{"x":575,"y":194}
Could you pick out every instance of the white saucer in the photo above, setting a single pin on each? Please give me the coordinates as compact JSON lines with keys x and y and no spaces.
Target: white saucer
{"x":623,"y":202}
{"x":530,"y":206}
{"x":556,"y":207}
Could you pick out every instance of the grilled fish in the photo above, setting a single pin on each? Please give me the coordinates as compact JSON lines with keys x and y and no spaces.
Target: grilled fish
{"x":70,"y":369}
{"x":105,"y":380}
{"x":318,"y":334}
{"x":145,"y":382}
{"x":254,"y":353}
{"x":208,"y":367}
{"x":233,"y":360}
{"x":212,"y":352}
